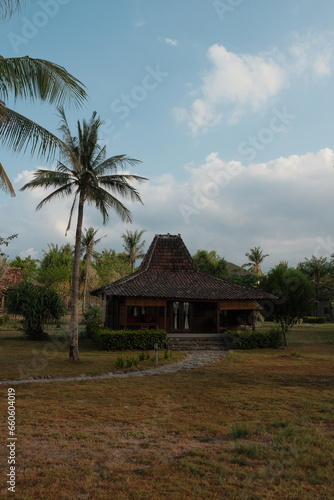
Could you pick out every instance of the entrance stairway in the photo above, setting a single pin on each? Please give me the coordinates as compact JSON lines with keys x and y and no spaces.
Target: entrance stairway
{"x":195,"y":341}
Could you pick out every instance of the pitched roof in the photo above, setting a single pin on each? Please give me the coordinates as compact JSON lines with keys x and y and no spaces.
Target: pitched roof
{"x":168,"y":271}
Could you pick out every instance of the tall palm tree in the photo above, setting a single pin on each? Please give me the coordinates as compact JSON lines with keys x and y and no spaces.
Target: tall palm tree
{"x":133,"y":246}
{"x":255,"y":257}
{"x":33,"y":79}
{"x":88,"y":243}
{"x":90,"y":178}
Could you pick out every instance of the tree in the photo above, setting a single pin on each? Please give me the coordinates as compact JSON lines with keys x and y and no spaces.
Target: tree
{"x":255,"y":257}
{"x":91,"y":179}
{"x":110,"y":266}
{"x":294,"y":296}
{"x":28,"y":265}
{"x":320,"y":273}
{"x":133,"y":246}
{"x":211,"y":263}
{"x":88,"y":243}
{"x":55,"y":269}
{"x":31,"y":79}
{"x":37,"y":304}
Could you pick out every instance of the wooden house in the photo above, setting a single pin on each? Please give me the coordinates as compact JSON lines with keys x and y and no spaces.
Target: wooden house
{"x":168,"y":291}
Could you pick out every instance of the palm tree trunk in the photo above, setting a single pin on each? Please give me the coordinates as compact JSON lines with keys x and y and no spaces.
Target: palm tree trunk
{"x":74,"y":323}
{"x":86,"y":282}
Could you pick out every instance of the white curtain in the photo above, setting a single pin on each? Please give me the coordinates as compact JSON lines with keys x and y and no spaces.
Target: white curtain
{"x":175,"y":309}
{"x":186,"y":315}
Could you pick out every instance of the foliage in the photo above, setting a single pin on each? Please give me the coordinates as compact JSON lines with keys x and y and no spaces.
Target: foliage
{"x":294,"y":296}
{"x":211,"y":263}
{"x":85,"y":174}
{"x":120,"y":340}
{"x":37,"y":305}
{"x":253,"y":339}
{"x":320,"y":273}
{"x":314,"y":319}
{"x":88,"y":242}
{"x":133,"y":246}
{"x":255,"y":257}
{"x":28,"y":265}
{"x":5,"y":242}
{"x":110,"y":266}
{"x":92,"y":318}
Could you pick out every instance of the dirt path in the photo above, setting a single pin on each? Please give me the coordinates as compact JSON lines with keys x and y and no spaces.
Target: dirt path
{"x":194,"y":359}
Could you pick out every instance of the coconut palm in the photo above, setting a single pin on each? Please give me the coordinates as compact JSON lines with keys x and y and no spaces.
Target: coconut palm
{"x":255,"y":257}
{"x":133,"y":246}
{"x":85,"y":174}
{"x":88,"y":243}
{"x":30,"y":79}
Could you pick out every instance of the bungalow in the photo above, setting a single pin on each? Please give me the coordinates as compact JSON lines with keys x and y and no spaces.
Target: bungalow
{"x":168,"y":291}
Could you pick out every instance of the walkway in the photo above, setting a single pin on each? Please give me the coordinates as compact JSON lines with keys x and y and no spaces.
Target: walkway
{"x":195,"y":359}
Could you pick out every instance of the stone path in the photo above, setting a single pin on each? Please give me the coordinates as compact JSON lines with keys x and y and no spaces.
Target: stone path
{"x":194,"y":359}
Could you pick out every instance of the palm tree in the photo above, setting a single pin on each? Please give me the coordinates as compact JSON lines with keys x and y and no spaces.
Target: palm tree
{"x":255,"y":257}
{"x":90,"y":179}
{"x":133,"y":246}
{"x":33,"y":79}
{"x":88,"y":243}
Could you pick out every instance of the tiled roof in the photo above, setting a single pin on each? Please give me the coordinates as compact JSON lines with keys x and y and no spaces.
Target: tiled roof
{"x":11,"y":276}
{"x":168,"y":271}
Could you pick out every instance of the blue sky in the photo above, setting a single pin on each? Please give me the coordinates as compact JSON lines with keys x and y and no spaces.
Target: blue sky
{"x":228,"y":104}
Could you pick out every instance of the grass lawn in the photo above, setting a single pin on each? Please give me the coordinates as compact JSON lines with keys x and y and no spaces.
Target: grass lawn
{"x":257,"y":425}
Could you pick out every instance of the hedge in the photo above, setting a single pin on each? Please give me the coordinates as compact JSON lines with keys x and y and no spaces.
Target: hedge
{"x":121,"y":340}
{"x":253,"y":339}
{"x":314,"y":319}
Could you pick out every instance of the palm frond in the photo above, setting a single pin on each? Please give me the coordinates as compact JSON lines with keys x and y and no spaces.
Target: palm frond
{"x":5,"y":183}
{"x":28,"y":78}
{"x":18,"y":133}
{"x":9,"y":7}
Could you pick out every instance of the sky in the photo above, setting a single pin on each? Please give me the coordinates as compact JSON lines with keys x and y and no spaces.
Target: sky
{"x":227,"y":104}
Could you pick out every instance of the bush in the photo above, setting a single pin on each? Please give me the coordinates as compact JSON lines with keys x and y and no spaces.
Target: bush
{"x":37,"y":305}
{"x":4,"y":320}
{"x":253,"y":339}
{"x":314,"y":319}
{"x":123,"y":340}
{"x":92,"y":318}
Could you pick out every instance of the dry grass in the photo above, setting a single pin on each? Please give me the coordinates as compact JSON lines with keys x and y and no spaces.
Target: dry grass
{"x":257,"y":425}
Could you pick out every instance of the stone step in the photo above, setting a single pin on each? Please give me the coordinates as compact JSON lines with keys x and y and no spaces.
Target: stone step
{"x":196,"y":343}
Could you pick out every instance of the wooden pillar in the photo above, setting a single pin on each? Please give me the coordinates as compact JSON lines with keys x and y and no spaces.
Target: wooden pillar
{"x":218,"y":318}
{"x":253,"y":319}
{"x":165,"y":316}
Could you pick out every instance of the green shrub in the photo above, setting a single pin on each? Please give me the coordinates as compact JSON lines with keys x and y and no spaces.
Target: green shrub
{"x":92,"y":318}
{"x":131,"y":362}
{"x":119,"y":363}
{"x":122,"y":340}
{"x":253,"y":339}
{"x":314,"y":319}
{"x":4,"y":320}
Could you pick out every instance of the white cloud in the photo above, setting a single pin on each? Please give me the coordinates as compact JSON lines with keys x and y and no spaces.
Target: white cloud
{"x":234,"y":80}
{"x":312,"y":54}
{"x":236,"y":84}
{"x":283,"y":205}
{"x":171,"y":41}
